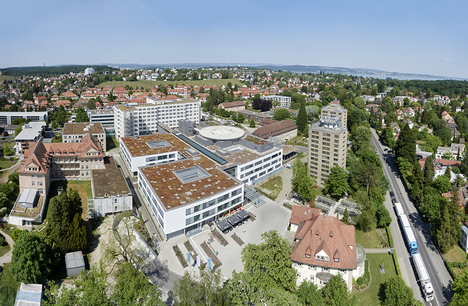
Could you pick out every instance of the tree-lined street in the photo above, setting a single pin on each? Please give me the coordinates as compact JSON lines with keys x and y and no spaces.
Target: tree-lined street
{"x":440,"y":278}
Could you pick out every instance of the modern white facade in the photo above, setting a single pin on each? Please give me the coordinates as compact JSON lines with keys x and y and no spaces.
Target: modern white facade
{"x":150,"y":150}
{"x":31,"y":132}
{"x":285,"y":101}
{"x":134,"y":119}
{"x":8,"y":117}
{"x":181,"y":204}
{"x":103,"y":116}
{"x":260,"y":166}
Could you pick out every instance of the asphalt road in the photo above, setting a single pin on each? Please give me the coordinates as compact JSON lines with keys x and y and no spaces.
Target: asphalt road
{"x":440,"y":278}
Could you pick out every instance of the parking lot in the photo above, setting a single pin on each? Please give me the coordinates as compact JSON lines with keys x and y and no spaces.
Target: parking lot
{"x":269,"y":216}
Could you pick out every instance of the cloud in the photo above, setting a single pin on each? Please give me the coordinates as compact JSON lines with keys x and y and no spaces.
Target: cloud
{"x":447,"y":59}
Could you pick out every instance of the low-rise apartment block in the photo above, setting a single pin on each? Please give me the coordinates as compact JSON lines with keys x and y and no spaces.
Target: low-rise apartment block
{"x":31,"y":132}
{"x":285,"y":101}
{"x":8,"y":117}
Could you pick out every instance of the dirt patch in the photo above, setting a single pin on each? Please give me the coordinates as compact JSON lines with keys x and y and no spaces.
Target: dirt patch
{"x":101,"y":235}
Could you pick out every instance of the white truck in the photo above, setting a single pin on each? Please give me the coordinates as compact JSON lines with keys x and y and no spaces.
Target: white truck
{"x":424,"y":279}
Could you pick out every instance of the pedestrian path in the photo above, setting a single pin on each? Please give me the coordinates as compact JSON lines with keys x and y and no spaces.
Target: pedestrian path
{"x":6,"y":258}
{"x":375,"y":251}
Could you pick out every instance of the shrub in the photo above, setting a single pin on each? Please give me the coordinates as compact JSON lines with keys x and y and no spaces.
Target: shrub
{"x":15,"y":234}
{"x":2,"y":240}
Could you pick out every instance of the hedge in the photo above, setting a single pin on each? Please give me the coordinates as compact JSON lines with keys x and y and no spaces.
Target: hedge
{"x":395,"y":261}
{"x":389,"y":234}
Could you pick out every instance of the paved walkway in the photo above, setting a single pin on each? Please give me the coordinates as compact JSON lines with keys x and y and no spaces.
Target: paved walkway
{"x":10,"y":170}
{"x":375,"y":251}
{"x":7,"y":257}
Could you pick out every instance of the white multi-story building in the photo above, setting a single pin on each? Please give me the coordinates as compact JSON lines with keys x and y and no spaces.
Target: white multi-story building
{"x":186,"y":194}
{"x":8,"y":117}
{"x":150,"y":150}
{"x":134,"y":119}
{"x":285,"y":101}
{"x":31,"y":132}
{"x":89,"y":71}
{"x":103,"y":116}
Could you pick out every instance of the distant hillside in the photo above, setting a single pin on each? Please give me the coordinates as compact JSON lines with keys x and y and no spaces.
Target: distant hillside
{"x":366,"y":72}
{"x":51,"y":70}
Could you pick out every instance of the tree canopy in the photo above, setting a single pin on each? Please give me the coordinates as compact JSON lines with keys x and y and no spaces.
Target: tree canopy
{"x":337,"y":182}
{"x":281,"y":114}
{"x":31,"y":259}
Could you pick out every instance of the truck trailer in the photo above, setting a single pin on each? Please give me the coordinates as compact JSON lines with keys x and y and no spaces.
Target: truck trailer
{"x":424,"y":279}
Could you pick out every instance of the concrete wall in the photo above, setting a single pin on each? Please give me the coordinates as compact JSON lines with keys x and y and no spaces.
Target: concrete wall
{"x":103,"y":206}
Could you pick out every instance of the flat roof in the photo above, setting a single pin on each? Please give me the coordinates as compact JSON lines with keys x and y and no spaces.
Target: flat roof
{"x":109,"y":182}
{"x":79,"y":128}
{"x":74,"y":260}
{"x":173,"y":193}
{"x":23,"y":114}
{"x":138,"y":145}
{"x":246,"y":155}
{"x":222,"y":132}
{"x":100,"y":111}
{"x":35,"y":128}
{"x":129,"y":106}
{"x":29,"y":295}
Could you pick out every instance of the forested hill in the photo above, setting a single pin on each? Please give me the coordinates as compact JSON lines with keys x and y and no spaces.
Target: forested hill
{"x":51,"y":70}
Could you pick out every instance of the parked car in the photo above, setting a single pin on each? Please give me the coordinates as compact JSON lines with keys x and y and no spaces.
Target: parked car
{"x":392,"y":194}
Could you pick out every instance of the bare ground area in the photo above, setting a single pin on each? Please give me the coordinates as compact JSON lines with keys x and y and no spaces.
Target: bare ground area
{"x":101,"y":236}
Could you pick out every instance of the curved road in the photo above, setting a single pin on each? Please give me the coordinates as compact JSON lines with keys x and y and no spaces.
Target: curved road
{"x":440,"y":278}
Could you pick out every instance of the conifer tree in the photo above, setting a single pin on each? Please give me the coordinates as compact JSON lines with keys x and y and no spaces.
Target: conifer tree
{"x":428,"y":171}
{"x":301,"y":121}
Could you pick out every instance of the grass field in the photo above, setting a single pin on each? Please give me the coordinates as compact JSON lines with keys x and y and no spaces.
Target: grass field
{"x":373,"y":239}
{"x":456,"y":254}
{"x":7,"y":163}
{"x":149,"y":84}
{"x":83,"y":188}
{"x":274,"y":184}
{"x":8,"y":287}
{"x":6,"y":77}
{"x":370,"y":296}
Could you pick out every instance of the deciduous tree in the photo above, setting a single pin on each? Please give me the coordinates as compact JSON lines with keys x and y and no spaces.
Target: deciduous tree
{"x":337,"y":182}
{"x":396,"y":292}
{"x":335,"y":293}
{"x":30,"y":259}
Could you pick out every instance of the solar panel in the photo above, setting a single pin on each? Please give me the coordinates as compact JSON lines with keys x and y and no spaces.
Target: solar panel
{"x":158,"y":144}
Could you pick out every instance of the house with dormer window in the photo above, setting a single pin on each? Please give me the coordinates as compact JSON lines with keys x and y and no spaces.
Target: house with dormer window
{"x":323,"y":247}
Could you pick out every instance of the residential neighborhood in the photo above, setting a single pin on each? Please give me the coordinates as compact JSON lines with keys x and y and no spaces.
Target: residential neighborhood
{"x":176,"y":173}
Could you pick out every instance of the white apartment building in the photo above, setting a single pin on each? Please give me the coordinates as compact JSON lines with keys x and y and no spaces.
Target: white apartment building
{"x":103,"y":116}
{"x":186,"y":194}
{"x":31,"y":132}
{"x":327,"y":142}
{"x":285,"y":101}
{"x":133,"y":119}
{"x":8,"y":117}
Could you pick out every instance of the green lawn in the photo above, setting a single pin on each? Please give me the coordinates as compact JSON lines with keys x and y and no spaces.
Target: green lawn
{"x":373,"y":239}
{"x":83,"y":188}
{"x":8,"y":287}
{"x":6,"y":77}
{"x":299,"y":141}
{"x":274,"y":184}
{"x":456,"y":254}
{"x":370,"y":296}
{"x":6,"y":163}
{"x":149,"y":84}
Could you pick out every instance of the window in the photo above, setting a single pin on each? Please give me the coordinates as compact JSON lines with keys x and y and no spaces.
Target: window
{"x":32,"y":183}
{"x":298,"y":274}
{"x":312,"y":278}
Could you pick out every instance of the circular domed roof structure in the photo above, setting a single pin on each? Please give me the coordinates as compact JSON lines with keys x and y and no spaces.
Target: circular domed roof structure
{"x":222,"y":132}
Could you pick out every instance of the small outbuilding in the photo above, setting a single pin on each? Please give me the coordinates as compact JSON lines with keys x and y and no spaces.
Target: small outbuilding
{"x":29,"y":294}
{"x":74,"y":263}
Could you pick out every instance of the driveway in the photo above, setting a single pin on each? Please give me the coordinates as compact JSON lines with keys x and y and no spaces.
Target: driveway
{"x":269,"y":216}
{"x":7,"y":257}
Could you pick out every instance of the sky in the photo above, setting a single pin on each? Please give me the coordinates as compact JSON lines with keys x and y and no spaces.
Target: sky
{"x":412,"y":36}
